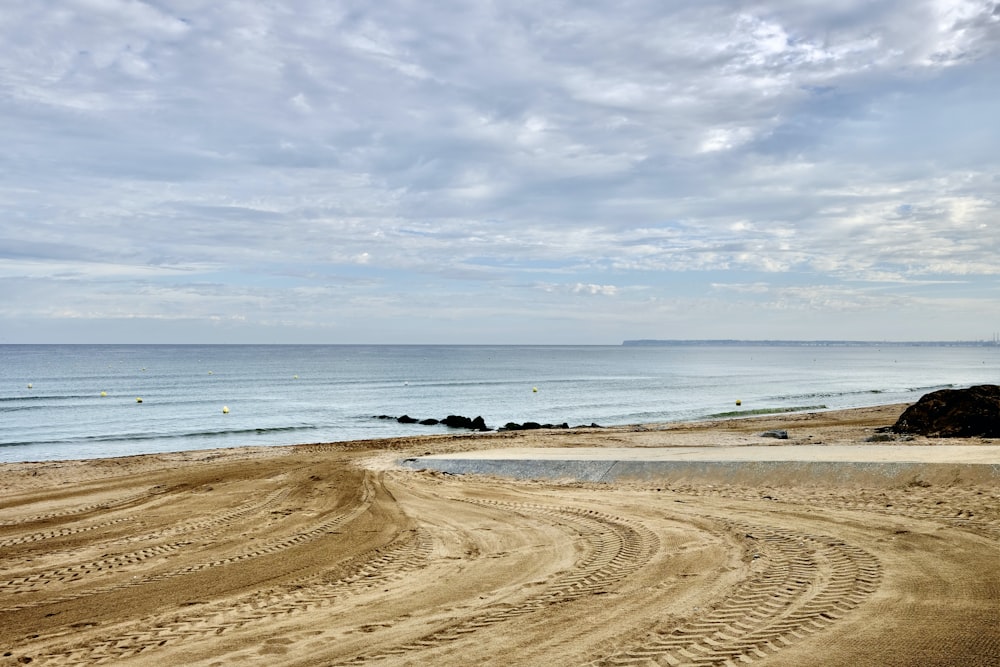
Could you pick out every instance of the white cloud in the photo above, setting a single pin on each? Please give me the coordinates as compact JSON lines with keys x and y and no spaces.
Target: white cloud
{"x":603,"y":290}
{"x":508,"y":156}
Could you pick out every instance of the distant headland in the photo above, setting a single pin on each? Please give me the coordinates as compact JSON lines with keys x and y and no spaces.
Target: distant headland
{"x":652,"y":342}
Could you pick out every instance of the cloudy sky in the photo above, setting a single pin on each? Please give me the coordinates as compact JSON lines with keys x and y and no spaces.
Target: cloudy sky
{"x":466,"y":171}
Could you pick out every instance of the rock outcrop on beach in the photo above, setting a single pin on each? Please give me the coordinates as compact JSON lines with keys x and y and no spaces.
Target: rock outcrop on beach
{"x":451,"y":421}
{"x":476,"y":423}
{"x":458,"y":421}
{"x":954,"y":413}
{"x":530,"y":426}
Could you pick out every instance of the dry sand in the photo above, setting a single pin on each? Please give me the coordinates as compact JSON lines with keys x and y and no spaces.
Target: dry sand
{"x":333,"y":554}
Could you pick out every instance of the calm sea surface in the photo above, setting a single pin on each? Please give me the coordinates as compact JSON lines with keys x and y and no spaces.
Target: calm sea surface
{"x":79,"y":401}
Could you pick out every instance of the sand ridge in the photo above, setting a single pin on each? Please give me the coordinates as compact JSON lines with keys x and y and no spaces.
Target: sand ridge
{"x":334,"y":554}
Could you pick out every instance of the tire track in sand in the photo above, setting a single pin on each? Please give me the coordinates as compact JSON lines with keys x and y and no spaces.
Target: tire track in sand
{"x":373,"y":568}
{"x":298,"y":539}
{"x":60,"y":532}
{"x":409,"y":551}
{"x":800,"y":584}
{"x":970,"y":509}
{"x":109,"y":564}
{"x":239,"y":512}
{"x":93,"y":507}
{"x":617,"y":547}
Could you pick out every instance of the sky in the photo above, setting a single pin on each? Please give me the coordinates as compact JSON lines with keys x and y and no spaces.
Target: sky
{"x":498,"y":172}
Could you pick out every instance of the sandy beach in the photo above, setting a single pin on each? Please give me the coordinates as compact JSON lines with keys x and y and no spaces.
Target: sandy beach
{"x":336,"y":554}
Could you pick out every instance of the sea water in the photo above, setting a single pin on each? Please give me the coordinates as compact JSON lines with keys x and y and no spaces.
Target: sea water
{"x":82,"y":401}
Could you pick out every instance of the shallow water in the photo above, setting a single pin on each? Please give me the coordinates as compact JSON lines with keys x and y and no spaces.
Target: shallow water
{"x":297,"y":394}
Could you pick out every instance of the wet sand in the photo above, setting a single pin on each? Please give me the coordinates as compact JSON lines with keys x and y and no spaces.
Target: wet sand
{"x":337,"y":554}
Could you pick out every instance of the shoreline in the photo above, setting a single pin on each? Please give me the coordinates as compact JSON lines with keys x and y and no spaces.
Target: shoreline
{"x":725,"y":420}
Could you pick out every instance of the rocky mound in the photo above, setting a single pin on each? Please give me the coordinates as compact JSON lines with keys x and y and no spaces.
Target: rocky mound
{"x":451,"y":421}
{"x":477,"y":424}
{"x":954,"y":413}
{"x":530,"y":426}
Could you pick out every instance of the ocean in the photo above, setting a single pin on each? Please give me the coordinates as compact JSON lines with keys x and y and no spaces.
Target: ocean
{"x":81,"y":401}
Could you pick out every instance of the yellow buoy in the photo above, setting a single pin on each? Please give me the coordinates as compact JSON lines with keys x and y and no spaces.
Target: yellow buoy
{"x":104,"y":393}
{"x":210,"y":372}
{"x":138,"y":400}
{"x":534,"y":389}
{"x":739,"y":402}
{"x":295,"y":377}
{"x":30,"y":385}
{"x":225,"y":409}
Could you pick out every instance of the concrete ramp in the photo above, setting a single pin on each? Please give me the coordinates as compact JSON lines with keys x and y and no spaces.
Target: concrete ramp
{"x":847,"y":465}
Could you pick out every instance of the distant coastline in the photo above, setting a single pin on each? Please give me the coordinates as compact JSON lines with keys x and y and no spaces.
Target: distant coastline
{"x":652,"y":342}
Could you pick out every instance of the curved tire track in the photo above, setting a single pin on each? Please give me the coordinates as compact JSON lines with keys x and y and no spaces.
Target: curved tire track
{"x":298,"y":539}
{"x":75,"y":573}
{"x":965,"y":509}
{"x":616,"y":548}
{"x":94,"y":507}
{"x":800,"y":584}
{"x":376,"y":567}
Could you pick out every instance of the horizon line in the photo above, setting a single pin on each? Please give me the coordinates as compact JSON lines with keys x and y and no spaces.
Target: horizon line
{"x":637,"y":342}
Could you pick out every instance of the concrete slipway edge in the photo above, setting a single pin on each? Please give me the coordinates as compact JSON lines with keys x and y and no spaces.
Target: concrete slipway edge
{"x":790,"y":465}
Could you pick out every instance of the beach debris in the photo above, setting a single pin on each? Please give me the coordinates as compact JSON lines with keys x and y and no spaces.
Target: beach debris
{"x":954,"y":413}
{"x":780,"y":434}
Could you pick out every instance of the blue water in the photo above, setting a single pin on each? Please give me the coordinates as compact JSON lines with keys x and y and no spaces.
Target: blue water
{"x":305,"y":394}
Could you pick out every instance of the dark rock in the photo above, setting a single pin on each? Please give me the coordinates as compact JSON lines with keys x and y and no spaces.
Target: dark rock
{"x":954,"y":413}
{"x":526,"y":426}
{"x":780,"y":434}
{"x":530,"y":426}
{"x":452,"y":421}
{"x":458,"y":421}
